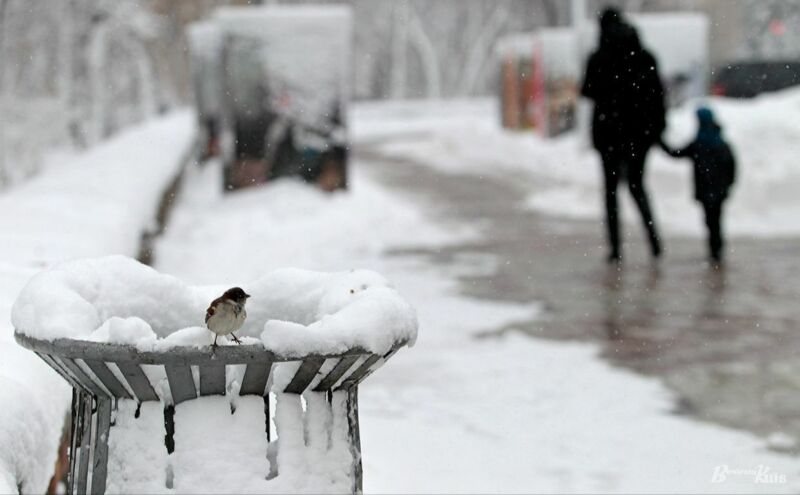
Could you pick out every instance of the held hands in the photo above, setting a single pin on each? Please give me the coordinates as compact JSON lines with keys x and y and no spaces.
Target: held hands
{"x":664,"y":146}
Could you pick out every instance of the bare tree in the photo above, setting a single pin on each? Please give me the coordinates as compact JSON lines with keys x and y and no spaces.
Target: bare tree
{"x":481,"y":48}
{"x":426,"y":50}
{"x":400,"y":50}
{"x":440,"y":48}
{"x":73,"y":72}
{"x":3,"y":106}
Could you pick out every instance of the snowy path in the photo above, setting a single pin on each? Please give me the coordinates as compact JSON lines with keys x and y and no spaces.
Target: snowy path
{"x":724,"y":340}
{"x":460,"y":413}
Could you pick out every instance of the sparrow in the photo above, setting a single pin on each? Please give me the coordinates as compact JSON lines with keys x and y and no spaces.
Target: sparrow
{"x":226,"y":313}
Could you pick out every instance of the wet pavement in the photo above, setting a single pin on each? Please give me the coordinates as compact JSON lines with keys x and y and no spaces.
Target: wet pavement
{"x":725,"y":341}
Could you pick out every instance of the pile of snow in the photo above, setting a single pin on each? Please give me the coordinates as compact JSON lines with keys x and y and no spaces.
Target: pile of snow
{"x":287,"y":223}
{"x":98,"y":202}
{"x":294,"y":312}
{"x":764,"y":133}
{"x":79,"y":206}
{"x":765,"y":136}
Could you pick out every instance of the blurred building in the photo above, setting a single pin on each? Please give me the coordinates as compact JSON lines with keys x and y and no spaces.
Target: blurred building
{"x":740,"y":29}
{"x":76,"y":71}
{"x":540,"y":72}
{"x":443,"y":48}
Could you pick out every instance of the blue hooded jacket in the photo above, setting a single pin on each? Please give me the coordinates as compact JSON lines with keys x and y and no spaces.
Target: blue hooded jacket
{"x":714,"y":163}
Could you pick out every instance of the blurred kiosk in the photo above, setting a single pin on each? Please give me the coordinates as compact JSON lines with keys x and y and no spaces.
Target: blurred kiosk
{"x":277,"y":92}
{"x":541,"y":72}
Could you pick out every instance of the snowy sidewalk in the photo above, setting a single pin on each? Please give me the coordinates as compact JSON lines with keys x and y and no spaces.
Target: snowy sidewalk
{"x":579,"y":423}
{"x":724,"y":340}
{"x":464,"y":137}
{"x":502,"y":414}
{"x":95,"y":203}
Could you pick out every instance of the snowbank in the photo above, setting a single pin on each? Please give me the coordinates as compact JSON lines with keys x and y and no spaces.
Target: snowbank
{"x":91,"y":204}
{"x":294,"y":312}
{"x":287,"y":223}
{"x":765,"y":134}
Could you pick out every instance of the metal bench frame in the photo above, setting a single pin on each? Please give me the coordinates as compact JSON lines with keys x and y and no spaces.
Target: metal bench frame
{"x":96,"y":388}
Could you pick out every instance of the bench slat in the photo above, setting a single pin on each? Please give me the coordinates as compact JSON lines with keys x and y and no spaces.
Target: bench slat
{"x":212,"y":379}
{"x":255,"y":379}
{"x":360,"y":372}
{"x":107,"y":377}
{"x":88,"y":383}
{"x":138,"y":381}
{"x":378,"y":364}
{"x":305,"y":374}
{"x":181,"y":383}
{"x":60,"y":370}
{"x":337,"y":372}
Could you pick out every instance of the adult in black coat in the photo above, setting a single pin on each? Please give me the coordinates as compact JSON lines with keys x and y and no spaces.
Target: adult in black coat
{"x":714,"y":174}
{"x":629,"y":116}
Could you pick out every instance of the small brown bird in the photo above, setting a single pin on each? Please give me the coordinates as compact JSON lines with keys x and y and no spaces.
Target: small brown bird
{"x":226,"y":313}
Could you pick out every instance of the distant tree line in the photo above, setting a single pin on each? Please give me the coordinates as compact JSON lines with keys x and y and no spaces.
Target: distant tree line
{"x":73,"y":72}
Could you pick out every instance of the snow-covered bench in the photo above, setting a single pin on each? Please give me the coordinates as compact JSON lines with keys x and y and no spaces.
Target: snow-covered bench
{"x":156,"y":408}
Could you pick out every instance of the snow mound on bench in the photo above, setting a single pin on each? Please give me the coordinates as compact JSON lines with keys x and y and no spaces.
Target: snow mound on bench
{"x":293,"y":312}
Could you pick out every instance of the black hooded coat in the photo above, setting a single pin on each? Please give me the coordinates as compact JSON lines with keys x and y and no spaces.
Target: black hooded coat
{"x":622,"y":79}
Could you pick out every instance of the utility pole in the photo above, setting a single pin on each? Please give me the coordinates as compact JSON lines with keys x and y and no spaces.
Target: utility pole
{"x":3,"y":90}
{"x":578,"y":13}
{"x":577,"y":20}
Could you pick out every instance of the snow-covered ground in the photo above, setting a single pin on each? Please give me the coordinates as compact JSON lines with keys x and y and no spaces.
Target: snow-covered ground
{"x":90,"y":204}
{"x":465,"y":137}
{"x":458,"y":413}
{"x":455,"y":413}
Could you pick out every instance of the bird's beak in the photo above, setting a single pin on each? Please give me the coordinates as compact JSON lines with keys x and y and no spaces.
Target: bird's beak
{"x":246,"y":295}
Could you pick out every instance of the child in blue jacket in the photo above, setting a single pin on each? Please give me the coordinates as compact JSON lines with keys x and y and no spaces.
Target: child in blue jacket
{"x":714,"y":174}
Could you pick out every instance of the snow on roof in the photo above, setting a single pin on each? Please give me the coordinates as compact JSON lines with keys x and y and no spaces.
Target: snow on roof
{"x":262,"y":13}
{"x":558,"y":48}
{"x":677,"y":39}
{"x":204,"y":37}
{"x":305,"y":52}
{"x":294,"y":312}
{"x":516,"y":44}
